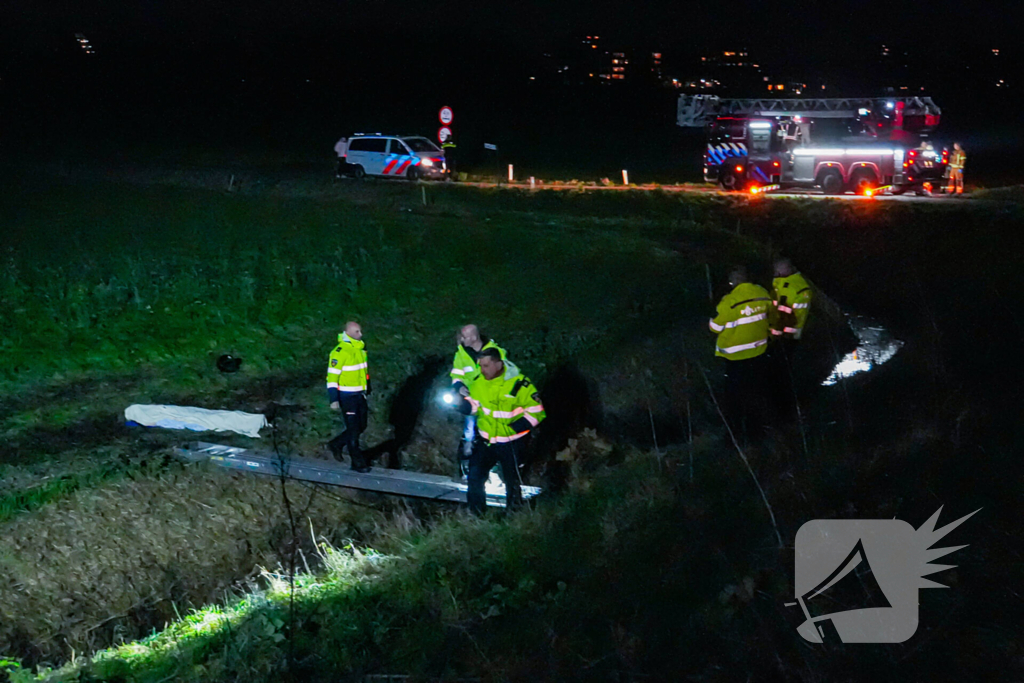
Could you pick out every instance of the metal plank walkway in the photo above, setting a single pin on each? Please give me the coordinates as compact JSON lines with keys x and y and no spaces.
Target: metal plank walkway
{"x":395,"y":482}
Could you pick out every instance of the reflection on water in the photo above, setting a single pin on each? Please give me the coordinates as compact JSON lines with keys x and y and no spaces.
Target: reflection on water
{"x":876,"y":346}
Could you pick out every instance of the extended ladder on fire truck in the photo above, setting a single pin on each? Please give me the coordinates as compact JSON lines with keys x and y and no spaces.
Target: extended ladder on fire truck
{"x":694,"y":111}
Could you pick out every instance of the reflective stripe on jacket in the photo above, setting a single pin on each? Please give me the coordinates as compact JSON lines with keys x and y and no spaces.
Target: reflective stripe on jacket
{"x":465,"y":369}
{"x":742,"y":322}
{"x":791,"y":303}
{"x":347,"y":368}
{"x":506,"y":407}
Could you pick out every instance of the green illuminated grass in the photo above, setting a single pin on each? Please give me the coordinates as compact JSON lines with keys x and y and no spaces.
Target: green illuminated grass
{"x":114,"y":294}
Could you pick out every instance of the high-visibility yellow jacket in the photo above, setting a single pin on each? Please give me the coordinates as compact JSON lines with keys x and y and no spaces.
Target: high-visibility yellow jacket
{"x":507,"y":407}
{"x":347,"y":371}
{"x":465,"y":369}
{"x":742,"y":322}
{"x":791,"y":303}
{"x":957,"y":160}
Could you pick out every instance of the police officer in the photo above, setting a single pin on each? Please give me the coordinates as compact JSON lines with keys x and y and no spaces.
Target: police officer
{"x":507,"y":406}
{"x":741,"y":324}
{"x":956,"y":170}
{"x":791,"y":304}
{"x":791,"y":301}
{"x":348,"y":384}
{"x":341,"y":149}
{"x":449,"y":147}
{"x":465,"y":371}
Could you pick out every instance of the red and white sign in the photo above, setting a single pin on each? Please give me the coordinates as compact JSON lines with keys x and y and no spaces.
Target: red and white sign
{"x":444,"y":133}
{"x":446,"y":116}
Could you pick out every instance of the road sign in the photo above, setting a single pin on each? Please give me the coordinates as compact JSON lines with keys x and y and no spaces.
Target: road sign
{"x":444,"y":133}
{"x":445,"y":115}
{"x":488,"y":145}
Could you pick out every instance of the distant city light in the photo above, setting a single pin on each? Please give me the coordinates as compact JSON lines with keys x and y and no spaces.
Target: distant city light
{"x":84,"y":43}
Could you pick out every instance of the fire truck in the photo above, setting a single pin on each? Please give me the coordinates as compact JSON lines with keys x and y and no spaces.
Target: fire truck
{"x":837,"y":145}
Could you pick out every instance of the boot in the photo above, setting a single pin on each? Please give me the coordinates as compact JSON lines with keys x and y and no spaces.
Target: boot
{"x":335,"y":450}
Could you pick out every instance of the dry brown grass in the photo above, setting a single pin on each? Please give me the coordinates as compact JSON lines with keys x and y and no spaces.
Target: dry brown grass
{"x":111,"y":563}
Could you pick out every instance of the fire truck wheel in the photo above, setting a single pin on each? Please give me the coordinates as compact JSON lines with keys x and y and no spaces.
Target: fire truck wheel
{"x":862,"y":181}
{"x":730,"y":182}
{"x":831,"y":182}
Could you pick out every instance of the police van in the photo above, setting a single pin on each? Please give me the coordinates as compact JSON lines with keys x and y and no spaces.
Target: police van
{"x":394,"y":156}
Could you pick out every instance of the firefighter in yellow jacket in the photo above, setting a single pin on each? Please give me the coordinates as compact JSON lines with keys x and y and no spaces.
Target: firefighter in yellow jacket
{"x":956,"y":170}
{"x":791,"y":301}
{"x":741,"y":324}
{"x":348,"y":384}
{"x":507,"y":406}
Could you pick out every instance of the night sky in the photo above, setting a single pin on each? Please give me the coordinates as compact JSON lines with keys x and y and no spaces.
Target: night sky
{"x":28,"y":26}
{"x":316,"y":67}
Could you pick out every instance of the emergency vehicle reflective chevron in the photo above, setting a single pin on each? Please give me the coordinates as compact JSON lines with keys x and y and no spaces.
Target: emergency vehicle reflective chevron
{"x":742,"y":322}
{"x":465,"y":369}
{"x":396,"y":164}
{"x":506,"y":407}
{"x":347,"y":369}
{"x":791,"y":303}
{"x":717,"y":154}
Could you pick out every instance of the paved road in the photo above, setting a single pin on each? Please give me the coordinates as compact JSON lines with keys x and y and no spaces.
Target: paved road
{"x":708,"y":189}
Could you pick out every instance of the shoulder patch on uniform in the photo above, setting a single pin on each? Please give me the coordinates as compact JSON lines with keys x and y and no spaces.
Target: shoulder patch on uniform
{"x":334,"y":362}
{"x":536,"y":397}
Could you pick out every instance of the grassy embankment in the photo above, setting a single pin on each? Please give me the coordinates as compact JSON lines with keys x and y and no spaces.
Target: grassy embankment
{"x":114,"y":295}
{"x":634,"y":567}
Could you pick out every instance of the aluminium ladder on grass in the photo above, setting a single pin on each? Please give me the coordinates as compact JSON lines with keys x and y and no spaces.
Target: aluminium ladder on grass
{"x":394,"y":482}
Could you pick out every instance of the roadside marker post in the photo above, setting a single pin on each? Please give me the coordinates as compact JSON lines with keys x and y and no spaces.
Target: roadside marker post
{"x":625,"y":178}
{"x":497,"y":161}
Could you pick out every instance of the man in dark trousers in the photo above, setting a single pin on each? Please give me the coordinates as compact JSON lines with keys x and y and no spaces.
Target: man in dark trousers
{"x":741,"y":323}
{"x":348,"y":384}
{"x":507,"y":406}
{"x":464,"y":372}
{"x":449,"y":147}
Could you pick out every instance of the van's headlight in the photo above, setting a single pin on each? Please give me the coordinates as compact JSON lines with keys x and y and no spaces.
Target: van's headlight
{"x":427,"y":162}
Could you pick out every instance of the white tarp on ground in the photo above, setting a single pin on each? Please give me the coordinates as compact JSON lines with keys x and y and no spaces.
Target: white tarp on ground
{"x":196,"y":419}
